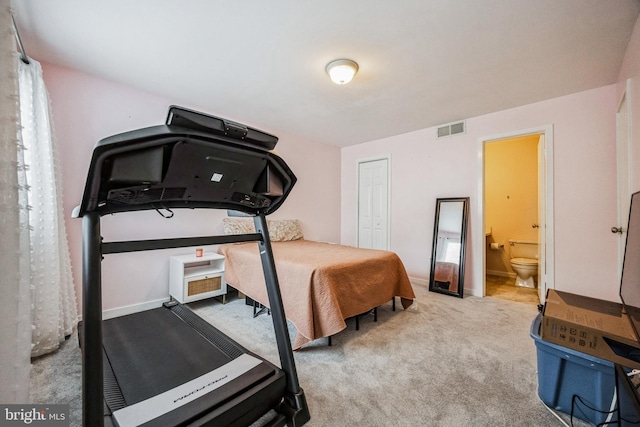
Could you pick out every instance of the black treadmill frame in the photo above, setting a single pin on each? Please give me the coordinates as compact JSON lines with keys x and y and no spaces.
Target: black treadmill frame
{"x":199,"y":129}
{"x":294,"y":406}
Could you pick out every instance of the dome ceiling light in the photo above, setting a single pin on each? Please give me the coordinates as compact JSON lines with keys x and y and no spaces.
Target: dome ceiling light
{"x":341,"y":71}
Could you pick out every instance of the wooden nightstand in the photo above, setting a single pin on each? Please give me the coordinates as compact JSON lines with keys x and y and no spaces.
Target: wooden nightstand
{"x":194,"y":278}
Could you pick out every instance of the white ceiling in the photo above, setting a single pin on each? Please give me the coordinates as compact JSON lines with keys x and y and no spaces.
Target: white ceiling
{"x":422,"y":62}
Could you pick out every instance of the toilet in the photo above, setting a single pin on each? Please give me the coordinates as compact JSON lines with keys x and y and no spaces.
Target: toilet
{"x":524,"y":261}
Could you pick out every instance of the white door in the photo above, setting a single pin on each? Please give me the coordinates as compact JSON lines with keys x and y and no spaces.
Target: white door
{"x":542,"y":215}
{"x":373,"y":204}
{"x":623,"y":154}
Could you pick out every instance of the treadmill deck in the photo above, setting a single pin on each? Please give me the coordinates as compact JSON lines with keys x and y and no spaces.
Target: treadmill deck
{"x":200,"y":368}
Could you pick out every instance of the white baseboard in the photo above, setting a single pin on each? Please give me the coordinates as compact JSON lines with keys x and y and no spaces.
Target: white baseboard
{"x":425,"y":283}
{"x":418,"y":281}
{"x":134,"y":308}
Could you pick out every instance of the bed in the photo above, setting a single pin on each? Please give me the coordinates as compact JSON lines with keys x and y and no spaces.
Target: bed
{"x":322,"y":284}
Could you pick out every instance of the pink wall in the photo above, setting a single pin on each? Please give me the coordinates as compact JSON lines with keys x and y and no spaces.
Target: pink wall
{"x":86,"y":109}
{"x":424,"y":168}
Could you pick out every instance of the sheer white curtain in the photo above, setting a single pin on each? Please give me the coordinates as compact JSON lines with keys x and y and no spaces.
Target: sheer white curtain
{"x":53,"y":300}
{"x":15,"y":327}
{"x":37,"y":296}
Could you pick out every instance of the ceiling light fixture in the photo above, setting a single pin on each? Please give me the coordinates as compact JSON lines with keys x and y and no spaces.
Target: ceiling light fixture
{"x":342,"y":71}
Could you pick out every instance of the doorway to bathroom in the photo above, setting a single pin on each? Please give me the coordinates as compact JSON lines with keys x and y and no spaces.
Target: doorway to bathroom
{"x":516,"y":212}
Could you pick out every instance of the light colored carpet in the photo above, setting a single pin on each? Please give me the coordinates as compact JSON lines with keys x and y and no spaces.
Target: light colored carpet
{"x":454,"y":362}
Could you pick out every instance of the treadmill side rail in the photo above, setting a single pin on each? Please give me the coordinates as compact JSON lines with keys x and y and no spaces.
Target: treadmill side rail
{"x":296,"y":404}
{"x":92,"y":375}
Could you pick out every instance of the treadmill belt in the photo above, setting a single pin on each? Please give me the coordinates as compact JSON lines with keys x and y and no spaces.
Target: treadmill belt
{"x":156,"y":351}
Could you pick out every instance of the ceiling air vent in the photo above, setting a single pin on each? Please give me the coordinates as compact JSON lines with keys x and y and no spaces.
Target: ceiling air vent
{"x":450,"y":129}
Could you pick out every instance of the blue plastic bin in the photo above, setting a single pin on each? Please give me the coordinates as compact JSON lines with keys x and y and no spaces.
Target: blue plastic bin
{"x":563,"y":373}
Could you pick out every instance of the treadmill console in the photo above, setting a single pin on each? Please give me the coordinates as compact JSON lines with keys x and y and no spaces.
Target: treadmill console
{"x":193,"y":161}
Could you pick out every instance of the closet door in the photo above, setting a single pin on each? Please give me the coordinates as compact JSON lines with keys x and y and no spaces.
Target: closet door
{"x":373,"y":204}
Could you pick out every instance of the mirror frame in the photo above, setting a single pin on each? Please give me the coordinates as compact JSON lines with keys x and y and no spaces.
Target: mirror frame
{"x":463,"y":243}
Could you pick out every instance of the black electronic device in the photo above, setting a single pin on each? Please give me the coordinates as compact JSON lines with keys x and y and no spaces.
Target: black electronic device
{"x":630,"y":280}
{"x":171,"y":166}
{"x":628,"y":388}
{"x":628,"y":409}
{"x":166,"y":366}
{"x":180,"y":116}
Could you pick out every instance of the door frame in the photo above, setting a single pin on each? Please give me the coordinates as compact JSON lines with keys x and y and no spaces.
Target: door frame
{"x":386,"y":157}
{"x":544,"y":184}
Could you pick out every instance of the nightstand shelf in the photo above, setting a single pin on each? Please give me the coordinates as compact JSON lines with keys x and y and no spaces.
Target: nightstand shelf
{"x":193,"y":278}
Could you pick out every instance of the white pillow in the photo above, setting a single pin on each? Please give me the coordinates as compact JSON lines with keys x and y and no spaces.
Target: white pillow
{"x":280,"y":230}
{"x":283,"y":230}
{"x":238,"y":225}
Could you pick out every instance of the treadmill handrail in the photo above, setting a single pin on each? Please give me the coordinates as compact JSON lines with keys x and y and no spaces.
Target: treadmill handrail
{"x":181,"y":242}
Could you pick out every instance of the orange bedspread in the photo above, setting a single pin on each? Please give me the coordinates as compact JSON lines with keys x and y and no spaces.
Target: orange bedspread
{"x":321,"y":284}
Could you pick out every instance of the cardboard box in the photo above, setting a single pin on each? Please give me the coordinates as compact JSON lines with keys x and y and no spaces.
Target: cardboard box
{"x":591,"y":326}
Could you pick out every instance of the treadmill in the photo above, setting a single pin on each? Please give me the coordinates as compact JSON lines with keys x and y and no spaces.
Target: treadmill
{"x":167,"y":366}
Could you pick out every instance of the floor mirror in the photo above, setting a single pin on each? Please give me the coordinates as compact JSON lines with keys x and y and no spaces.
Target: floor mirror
{"x":449,"y":242}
